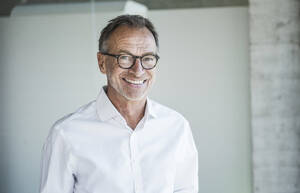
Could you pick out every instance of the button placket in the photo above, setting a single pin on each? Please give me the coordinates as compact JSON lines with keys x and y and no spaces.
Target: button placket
{"x":132,"y":147}
{"x":134,"y":163}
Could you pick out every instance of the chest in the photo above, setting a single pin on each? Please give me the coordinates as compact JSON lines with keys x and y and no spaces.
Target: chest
{"x":117,"y":159}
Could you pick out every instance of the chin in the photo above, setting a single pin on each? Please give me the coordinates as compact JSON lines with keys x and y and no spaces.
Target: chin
{"x":135,"y":98}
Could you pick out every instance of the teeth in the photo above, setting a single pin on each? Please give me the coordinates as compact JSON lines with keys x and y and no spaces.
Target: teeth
{"x":135,"y":81}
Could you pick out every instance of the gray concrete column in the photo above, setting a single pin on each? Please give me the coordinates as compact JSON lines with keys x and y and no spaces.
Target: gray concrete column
{"x":275,"y":92}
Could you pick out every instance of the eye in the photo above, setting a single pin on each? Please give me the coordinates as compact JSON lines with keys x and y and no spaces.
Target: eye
{"x":125,"y":57}
{"x":149,"y":58}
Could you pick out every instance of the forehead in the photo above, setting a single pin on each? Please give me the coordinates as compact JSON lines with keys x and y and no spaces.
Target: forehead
{"x":134,"y":40}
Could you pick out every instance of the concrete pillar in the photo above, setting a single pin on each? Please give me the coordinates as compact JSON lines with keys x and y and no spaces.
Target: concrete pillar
{"x":275,"y":92}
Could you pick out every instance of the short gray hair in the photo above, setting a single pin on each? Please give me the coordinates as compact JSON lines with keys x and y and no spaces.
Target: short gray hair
{"x":134,"y":21}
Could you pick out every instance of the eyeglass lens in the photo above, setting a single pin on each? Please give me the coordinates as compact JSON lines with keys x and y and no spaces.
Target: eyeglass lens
{"x":126,"y":61}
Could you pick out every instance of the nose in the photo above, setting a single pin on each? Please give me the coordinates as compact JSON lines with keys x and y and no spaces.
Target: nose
{"x":137,"y":68}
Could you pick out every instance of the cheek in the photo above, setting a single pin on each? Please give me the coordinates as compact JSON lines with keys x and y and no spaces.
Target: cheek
{"x":115,"y":76}
{"x":152,"y":75}
{"x":112,"y":71}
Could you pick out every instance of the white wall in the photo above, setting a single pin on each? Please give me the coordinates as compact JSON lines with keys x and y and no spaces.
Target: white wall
{"x":49,"y":68}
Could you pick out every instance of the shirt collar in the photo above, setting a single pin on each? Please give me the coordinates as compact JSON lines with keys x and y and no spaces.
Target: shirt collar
{"x":149,"y":108}
{"x":106,"y":110}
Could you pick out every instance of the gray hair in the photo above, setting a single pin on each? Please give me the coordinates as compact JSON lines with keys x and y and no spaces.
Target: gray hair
{"x":134,"y":21}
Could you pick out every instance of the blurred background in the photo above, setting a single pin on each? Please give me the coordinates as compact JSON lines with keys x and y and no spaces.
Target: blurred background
{"x":231,"y":67}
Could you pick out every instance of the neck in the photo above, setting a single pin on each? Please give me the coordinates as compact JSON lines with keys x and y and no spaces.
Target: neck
{"x":132,"y":111}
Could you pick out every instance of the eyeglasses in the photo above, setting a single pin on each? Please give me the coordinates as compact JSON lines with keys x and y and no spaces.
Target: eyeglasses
{"x":127,"y":61}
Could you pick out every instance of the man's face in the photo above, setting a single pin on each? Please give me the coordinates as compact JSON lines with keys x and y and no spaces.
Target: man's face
{"x":131,"y":84}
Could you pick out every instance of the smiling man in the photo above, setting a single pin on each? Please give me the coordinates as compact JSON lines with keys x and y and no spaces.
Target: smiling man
{"x":122,"y":142}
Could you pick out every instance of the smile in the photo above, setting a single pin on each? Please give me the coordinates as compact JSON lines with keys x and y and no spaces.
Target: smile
{"x":135,"y":82}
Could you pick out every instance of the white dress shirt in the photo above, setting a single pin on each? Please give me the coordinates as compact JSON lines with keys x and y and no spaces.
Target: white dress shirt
{"x":93,"y":150}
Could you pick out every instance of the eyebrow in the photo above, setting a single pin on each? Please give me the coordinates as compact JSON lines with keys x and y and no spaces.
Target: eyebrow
{"x":127,"y":52}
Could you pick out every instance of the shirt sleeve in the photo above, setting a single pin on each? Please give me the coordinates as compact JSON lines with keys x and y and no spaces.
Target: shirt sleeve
{"x":56,"y":169}
{"x":186,"y":179}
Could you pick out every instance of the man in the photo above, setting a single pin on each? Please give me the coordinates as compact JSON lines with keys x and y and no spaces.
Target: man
{"x":122,"y":142}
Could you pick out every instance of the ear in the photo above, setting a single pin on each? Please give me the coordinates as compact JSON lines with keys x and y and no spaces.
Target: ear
{"x":101,"y":62}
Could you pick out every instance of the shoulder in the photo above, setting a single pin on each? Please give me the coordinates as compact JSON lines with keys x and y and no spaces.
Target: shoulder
{"x":165,"y":112}
{"x":87,"y":111}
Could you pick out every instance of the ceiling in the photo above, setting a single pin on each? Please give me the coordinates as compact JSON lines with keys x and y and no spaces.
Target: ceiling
{"x":7,"y":5}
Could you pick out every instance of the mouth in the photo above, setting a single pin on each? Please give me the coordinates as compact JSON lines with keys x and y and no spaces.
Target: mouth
{"x":134,"y":82}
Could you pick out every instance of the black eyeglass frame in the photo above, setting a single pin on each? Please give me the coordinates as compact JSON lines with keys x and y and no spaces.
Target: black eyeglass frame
{"x":135,"y":57}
